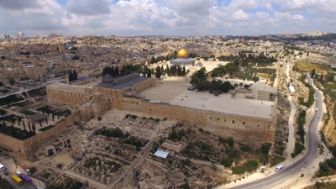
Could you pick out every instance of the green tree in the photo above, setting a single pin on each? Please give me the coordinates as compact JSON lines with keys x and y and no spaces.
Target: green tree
{"x":184,"y":71}
{"x":149,"y":73}
{"x":116,"y":71}
{"x":179,"y":70}
{"x":11,"y":81}
{"x":313,"y":73}
{"x":199,"y":77}
{"x":167,"y":70}
{"x":227,"y":162}
{"x":265,"y":148}
{"x":158,"y":72}
{"x":152,"y":61}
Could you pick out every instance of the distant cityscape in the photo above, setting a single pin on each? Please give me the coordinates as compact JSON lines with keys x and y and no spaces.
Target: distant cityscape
{"x":158,"y":94}
{"x":167,"y":112}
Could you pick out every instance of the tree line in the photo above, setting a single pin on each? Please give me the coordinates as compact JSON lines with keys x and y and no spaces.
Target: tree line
{"x":199,"y":81}
{"x":72,"y":75}
{"x":175,"y":70}
{"x":243,"y":59}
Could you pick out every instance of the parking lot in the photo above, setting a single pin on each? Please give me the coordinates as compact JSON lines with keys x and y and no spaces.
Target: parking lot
{"x":10,"y":169}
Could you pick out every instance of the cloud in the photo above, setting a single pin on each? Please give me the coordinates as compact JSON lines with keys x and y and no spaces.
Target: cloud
{"x":18,"y":4}
{"x":42,"y":16}
{"x":240,"y":15}
{"x":179,"y":17}
{"x":88,"y":7}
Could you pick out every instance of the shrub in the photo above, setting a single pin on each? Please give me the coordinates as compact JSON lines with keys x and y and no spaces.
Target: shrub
{"x":265,"y":148}
{"x":177,"y":135}
{"x":227,"y":162}
{"x":298,"y":149}
{"x":249,"y":166}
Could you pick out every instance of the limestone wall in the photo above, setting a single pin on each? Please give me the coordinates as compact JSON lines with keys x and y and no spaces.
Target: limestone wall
{"x":96,"y":101}
{"x":16,"y":146}
{"x":33,"y":143}
{"x":145,"y":84}
{"x":246,"y":129}
{"x":25,"y":148}
{"x":71,"y":95}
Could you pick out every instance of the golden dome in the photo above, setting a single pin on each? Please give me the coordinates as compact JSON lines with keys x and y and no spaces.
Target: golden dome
{"x":182,"y":53}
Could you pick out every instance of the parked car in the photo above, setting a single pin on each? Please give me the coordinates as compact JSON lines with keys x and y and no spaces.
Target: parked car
{"x":2,"y":167}
{"x":6,"y":173}
{"x":279,"y":167}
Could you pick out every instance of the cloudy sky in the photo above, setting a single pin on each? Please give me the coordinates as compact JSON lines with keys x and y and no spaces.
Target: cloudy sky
{"x":166,"y":17}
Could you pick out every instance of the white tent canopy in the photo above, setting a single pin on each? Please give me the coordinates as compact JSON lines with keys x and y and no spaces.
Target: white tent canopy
{"x":161,"y":153}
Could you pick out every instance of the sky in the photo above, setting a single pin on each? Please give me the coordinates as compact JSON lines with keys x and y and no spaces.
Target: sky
{"x":166,"y":17}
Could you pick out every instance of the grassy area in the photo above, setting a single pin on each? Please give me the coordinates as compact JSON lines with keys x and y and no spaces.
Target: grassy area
{"x":276,"y":160}
{"x":330,"y":89}
{"x":248,"y":166}
{"x":301,"y":121}
{"x":298,"y":149}
{"x":306,"y":66}
{"x":319,"y":185}
{"x":199,"y":150}
{"x":177,"y":135}
{"x":311,"y":98}
{"x":264,"y":75}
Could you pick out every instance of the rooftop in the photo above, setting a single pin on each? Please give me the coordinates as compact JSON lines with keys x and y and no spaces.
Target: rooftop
{"x":122,"y":82}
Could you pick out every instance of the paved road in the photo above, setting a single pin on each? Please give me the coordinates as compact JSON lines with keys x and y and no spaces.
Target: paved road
{"x":9,"y":164}
{"x":17,"y":186}
{"x":299,"y":165}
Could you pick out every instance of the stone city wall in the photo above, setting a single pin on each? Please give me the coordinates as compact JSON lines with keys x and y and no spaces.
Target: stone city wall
{"x":14,"y":145}
{"x":251,"y":130}
{"x":145,"y":84}
{"x":243,"y":128}
{"x":71,"y":95}
{"x":33,"y":143}
{"x":25,"y":148}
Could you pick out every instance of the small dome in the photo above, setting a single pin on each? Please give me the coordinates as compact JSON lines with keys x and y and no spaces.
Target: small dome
{"x":182,"y":53}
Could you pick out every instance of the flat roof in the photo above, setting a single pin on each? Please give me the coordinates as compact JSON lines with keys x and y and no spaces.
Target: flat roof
{"x":123,"y":85}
